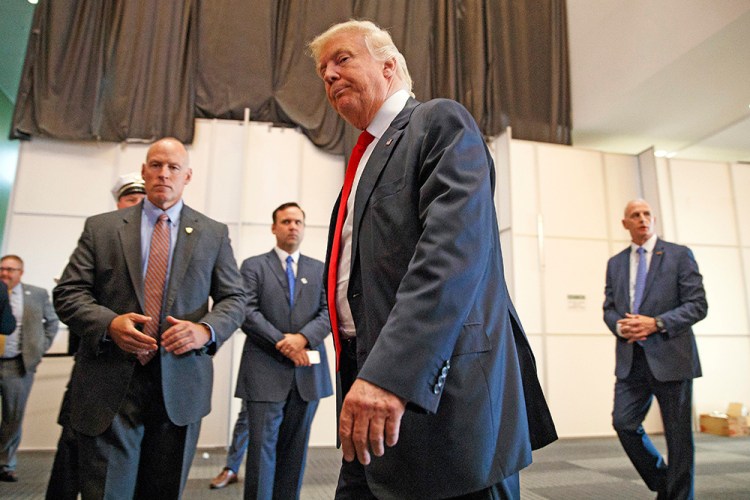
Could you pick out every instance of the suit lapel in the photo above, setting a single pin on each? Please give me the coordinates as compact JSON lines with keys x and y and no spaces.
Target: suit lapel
{"x":187,"y":237}
{"x":653,"y":269}
{"x":274,"y":264}
{"x":130,"y":240}
{"x":375,"y":165}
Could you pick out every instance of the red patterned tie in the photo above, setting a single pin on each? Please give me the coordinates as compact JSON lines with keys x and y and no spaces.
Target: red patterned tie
{"x":365,"y":138}
{"x":156,"y":275}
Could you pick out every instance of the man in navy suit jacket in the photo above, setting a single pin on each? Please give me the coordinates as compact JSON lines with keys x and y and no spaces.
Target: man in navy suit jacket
{"x":284,"y":369}
{"x":432,"y":360}
{"x":656,"y":350}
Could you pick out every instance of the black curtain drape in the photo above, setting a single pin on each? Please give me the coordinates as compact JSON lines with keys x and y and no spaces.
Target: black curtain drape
{"x":117,"y":70}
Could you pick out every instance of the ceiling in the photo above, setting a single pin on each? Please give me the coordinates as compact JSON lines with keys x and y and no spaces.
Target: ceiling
{"x":668,"y":74}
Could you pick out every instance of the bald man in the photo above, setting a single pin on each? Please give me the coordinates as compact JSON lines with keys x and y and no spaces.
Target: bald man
{"x":143,"y":374}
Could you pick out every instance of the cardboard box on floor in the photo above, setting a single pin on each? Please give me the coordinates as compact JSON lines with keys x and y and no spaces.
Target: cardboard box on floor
{"x":735,"y":422}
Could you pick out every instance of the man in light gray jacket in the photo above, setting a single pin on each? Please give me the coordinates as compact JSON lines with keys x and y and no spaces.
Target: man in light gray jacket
{"x":20,"y":353}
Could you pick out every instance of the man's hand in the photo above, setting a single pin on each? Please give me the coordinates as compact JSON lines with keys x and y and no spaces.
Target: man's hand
{"x":294,"y":347}
{"x":122,"y":330}
{"x":636,"y":327}
{"x":184,"y":336}
{"x":370,"y":419}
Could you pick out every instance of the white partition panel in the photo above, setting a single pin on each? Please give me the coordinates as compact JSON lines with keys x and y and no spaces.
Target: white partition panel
{"x":61,"y":178}
{"x":527,"y":283}
{"x":621,"y":179}
{"x":725,"y":373}
{"x":524,"y":187}
{"x":273,"y":170}
{"x":702,"y":196}
{"x":740,"y":179}
{"x":725,"y":291}
{"x":580,"y":372}
{"x":574,"y":273}
{"x":572,"y":192}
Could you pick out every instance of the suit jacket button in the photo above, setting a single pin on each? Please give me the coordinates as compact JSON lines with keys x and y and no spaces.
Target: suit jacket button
{"x":436,"y":389}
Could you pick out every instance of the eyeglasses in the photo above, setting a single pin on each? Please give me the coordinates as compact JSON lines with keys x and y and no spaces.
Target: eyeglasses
{"x":10,"y":269}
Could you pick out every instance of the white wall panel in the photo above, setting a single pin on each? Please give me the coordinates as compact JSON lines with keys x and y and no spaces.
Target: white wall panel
{"x":581,"y":384}
{"x":40,"y":428}
{"x":527,"y":283}
{"x":703,"y":203}
{"x":524,"y":187}
{"x":572,"y":192}
{"x":218,"y":169}
{"x":740,"y":175}
{"x":665,"y":217}
{"x":44,"y":243}
{"x":500,"y":151}
{"x":621,"y":180}
{"x":725,"y":291}
{"x":538,"y":347}
{"x":725,"y":368}
{"x":321,"y":178}
{"x":746,"y":268}
{"x":56,"y":177}
{"x":273,"y":170}
{"x":574,"y":273}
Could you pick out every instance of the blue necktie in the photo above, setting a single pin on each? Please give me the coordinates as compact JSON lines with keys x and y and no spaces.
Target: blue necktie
{"x":640,"y":279}
{"x":290,"y":279}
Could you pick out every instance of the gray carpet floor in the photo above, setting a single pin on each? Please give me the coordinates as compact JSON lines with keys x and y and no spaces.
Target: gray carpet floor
{"x":570,"y":469}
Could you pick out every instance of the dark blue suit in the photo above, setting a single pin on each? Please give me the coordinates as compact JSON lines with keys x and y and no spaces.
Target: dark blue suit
{"x":434,"y":321}
{"x":281,"y":399}
{"x":662,"y":366}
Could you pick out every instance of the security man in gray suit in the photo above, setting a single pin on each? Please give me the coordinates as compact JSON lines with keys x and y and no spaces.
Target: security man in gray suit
{"x":284,"y":368}
{"x":20,"y":353}
{"x":652,"y":318}
{"x":142,"y":383}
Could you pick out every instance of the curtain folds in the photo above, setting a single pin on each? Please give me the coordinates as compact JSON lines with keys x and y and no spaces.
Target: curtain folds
{"x":117,"y":70}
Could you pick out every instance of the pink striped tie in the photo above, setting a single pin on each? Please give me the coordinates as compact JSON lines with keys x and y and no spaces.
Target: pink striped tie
{"x":156,"y":275}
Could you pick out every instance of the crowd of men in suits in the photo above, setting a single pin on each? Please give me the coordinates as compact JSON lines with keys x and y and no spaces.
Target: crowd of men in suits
{"x":412,"y":289}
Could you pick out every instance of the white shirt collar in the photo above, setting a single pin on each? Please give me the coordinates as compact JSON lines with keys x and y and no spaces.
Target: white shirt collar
{"x":387,"y":112}
{"x":648,"y":245}
{"x":283,"y":255}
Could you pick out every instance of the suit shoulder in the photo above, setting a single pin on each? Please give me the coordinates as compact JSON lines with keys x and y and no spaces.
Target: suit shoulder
{"x":198,"y":217}
{"x":311,"y":260}
{"x":254,"y":260}
{"x":34,"y":289}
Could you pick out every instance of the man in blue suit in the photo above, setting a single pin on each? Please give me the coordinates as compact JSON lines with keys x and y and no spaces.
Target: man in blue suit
{"x":432,"y":360}
{"x":652,"y":317}
{"x":284,"y":369}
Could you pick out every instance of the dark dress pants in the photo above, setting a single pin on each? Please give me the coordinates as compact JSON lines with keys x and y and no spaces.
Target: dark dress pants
{"x":277,"y":447}
{"x":352,"y":483}
{"x":142,"y":454}
{"x":63,"y":480}
{"x":633,"y":396}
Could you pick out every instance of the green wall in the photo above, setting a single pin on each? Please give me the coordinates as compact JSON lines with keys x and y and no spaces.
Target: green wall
{"x":8,"y":162}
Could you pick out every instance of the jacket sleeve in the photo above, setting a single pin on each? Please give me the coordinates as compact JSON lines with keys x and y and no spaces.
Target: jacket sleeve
{"x":7,"y":320}
{"x":693,"y":306}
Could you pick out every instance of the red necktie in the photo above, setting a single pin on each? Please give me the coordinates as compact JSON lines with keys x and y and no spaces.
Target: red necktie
{"x":156,"y":275}
{"x":365,"y":138}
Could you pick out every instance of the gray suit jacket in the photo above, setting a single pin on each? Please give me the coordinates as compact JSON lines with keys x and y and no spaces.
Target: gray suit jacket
{"x":265,"y":374}
{"x":674,"y":292}
{"x":104,"y":279}
{"x":435,"y":323}
{"x":39,"y":325}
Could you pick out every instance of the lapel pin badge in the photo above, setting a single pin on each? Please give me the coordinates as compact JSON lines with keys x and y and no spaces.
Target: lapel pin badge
{"x":304,"y":281}
{"x":659,"y":253}
{"x":188,"y":230}
{"x":388,"y":142}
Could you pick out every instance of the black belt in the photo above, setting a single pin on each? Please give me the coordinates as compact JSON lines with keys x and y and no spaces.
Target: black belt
{"x":14,"y":358}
